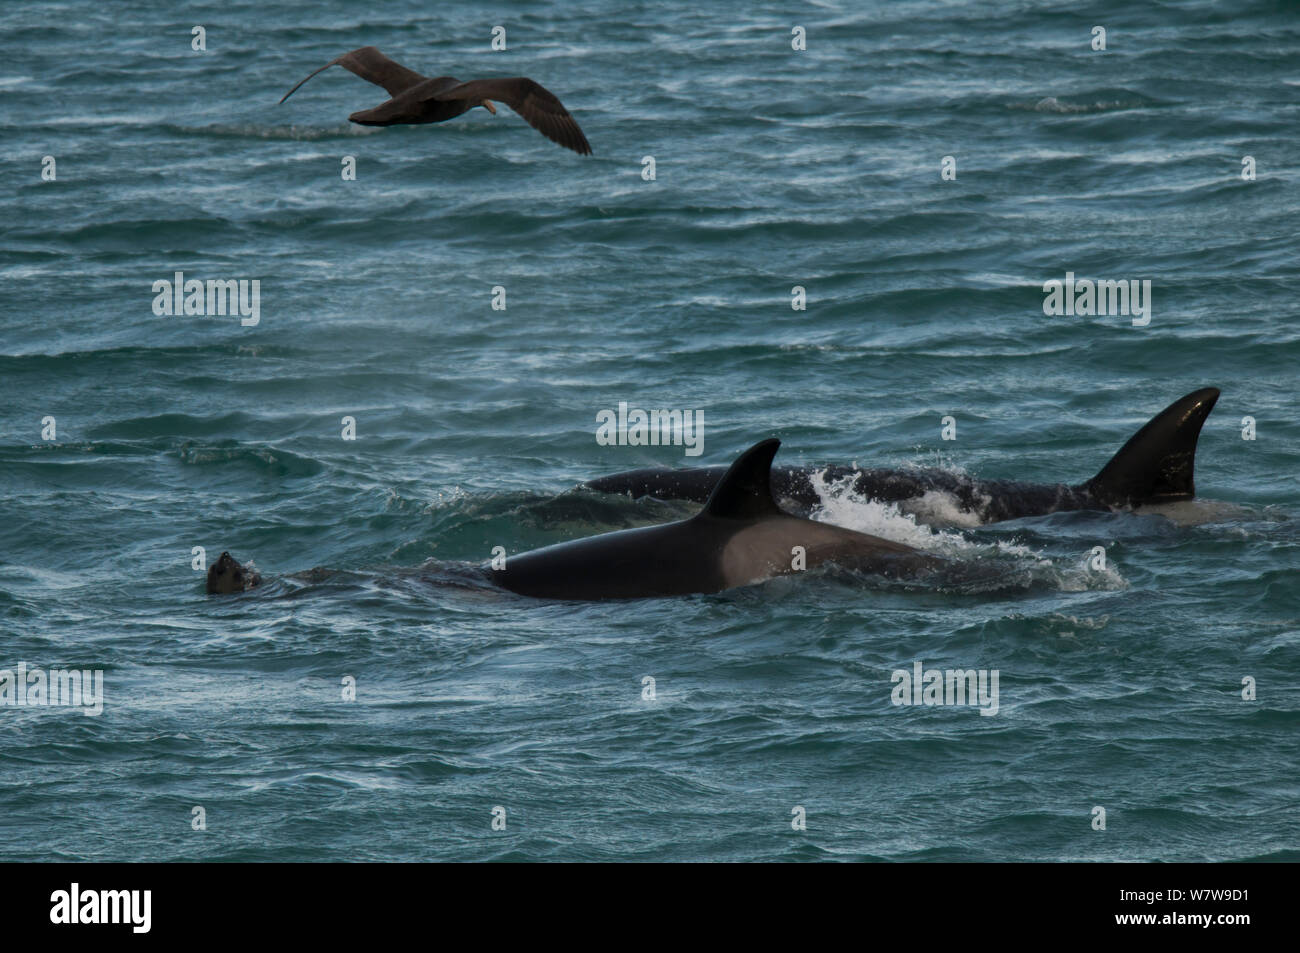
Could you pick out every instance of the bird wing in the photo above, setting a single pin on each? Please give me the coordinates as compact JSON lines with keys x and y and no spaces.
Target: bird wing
{"x":534,"y":102}
{"x":374,"y":67}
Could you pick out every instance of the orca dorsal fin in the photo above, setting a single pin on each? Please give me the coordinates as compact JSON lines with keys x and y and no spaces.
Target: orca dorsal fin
{"x":1158,"y":461}
{"x":745,"y":490}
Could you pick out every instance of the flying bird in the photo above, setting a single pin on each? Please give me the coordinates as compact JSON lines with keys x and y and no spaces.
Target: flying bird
{"x":419,"y":99}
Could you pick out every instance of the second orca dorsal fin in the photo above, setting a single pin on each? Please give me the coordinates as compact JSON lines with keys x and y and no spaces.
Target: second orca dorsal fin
{"x":1158,"y":461}
{"x":745,"y":490}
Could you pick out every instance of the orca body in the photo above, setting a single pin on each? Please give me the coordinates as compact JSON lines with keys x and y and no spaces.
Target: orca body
{"x":1155,"y":466}
{"x":741,"y":536}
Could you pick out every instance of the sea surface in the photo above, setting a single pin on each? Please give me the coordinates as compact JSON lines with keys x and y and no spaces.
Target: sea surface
{"x":1120,"y":686}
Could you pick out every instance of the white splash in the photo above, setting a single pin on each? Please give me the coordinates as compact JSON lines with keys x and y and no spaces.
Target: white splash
{"x":842,"y":505}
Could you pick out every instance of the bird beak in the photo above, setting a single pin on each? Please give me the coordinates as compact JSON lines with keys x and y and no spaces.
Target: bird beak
{"x":487,"y":104}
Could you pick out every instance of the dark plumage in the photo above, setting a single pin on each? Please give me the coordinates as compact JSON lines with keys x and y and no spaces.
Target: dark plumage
{"x":418,"y":99}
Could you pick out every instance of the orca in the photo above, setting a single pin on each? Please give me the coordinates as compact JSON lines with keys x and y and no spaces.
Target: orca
{"x":1154,"y":466}
{"x":741,"y":536}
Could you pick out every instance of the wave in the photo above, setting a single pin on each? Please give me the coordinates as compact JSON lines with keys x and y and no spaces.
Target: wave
{"x":274,"y":462}
{"x":1095,"y":101}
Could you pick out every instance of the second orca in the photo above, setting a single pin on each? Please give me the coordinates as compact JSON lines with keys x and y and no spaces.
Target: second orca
{"x":1155,"y":466}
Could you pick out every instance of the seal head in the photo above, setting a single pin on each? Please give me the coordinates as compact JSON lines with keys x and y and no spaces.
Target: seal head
{"x":226,"y":576}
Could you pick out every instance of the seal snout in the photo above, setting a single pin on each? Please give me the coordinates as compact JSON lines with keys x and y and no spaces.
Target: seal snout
{"x":226,"y":576}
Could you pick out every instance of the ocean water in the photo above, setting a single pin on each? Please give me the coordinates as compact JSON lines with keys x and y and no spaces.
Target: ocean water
{"x":1120,"y":688}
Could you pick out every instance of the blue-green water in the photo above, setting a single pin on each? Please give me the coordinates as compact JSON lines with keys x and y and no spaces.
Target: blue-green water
{"x":1119,"y":688}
